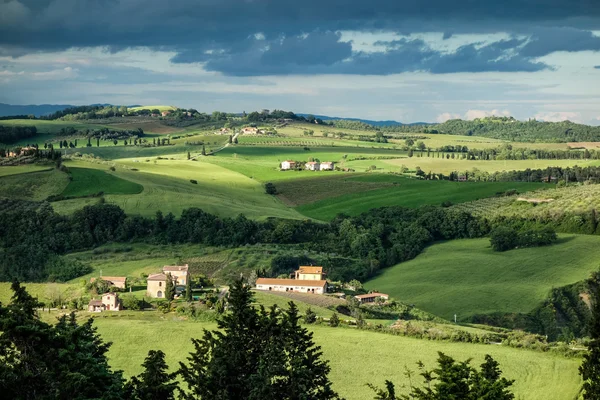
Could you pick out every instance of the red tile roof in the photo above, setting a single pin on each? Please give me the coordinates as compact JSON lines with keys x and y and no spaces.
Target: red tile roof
{"x":290,"y":282}
{"x":310,"y":270}
{"x":157,"y":277}
{"x":174,"y":268}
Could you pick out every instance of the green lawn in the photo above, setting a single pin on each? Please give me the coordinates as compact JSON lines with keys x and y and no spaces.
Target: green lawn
{"x":356,"y":357}
{"x":466,"y":277}
{"x":399,"y":192}
{"x":34,"y":186}
{"x":168,"y":188}
{"x":87,"y":181}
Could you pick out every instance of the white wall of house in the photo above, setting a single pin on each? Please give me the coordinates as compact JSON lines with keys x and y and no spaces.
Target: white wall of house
{"x":287,"y":288}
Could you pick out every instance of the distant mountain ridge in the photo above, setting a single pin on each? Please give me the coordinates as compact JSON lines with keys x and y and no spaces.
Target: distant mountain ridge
{"x":366,"y":121}
{"x":38,"y":110}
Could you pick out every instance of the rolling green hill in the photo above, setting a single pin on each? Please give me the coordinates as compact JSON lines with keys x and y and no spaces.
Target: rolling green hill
{"x":34,"y":186}
{"x":466,"y":277}
{"x":398,"y":192}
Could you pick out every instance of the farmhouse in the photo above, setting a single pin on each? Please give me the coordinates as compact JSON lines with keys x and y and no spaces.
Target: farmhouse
{"x":309,"y":273}
{"x":249,"y":130}
{"x":327,"y":166}
{"x":179,"y":273}
{"x":371,"y":297}
{"x":165,"y":113}
{"x":308,"y":279}
{"x":156,"y":286}
{"x":116,"y":281}
{"x":312,"y":166}
{"x":292,"y":285}
{"x":285,"y":165}
{"x":109,"y":302}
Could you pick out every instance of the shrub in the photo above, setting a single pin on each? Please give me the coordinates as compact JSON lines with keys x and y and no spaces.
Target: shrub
{"x":334,"y":320}
{"x":310,"y":317}
{"x":503,"y":238}
{"x":270,"y":188}
{"x":195,"y":182}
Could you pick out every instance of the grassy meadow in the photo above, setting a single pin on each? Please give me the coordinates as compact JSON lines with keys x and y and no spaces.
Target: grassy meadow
{"x":87,"y":181}
{"x":33,"y":186}
{"x":466,"y":277}
{"x":356,"y":357}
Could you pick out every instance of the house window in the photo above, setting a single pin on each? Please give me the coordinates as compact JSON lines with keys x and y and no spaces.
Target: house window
{"x":159,"y":284}
{"x":159,"y":294}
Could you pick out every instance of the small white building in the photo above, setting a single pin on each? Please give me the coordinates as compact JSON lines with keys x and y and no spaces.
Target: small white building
{"x":286,"y":165}
{"x":326,"y":166}
{"x":312,"y":166}
{"x":292,"y":285}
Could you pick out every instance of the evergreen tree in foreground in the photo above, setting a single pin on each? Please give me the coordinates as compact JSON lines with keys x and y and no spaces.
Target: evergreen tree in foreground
{"x":42,"y":361}
{"x":256,"y":355}
{"x":169,"y":288}
{"x":155,"y":383}
{"x":454,"y":380}
{"x":188,"y":290}
{"x":590,"y":368}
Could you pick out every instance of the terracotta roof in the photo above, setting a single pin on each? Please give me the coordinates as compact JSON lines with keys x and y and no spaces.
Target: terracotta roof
{"x":311,"y":163}
{"x":310,"y":270}
{"x":168,"y":268}
{"x":110,"y":294}
{"x":290,"y":282}
{"x":95,"y":303}
{"x":369,"y":295}
{"x":157,"y":277}
{"x":326,"y":162}
{"x":114,"y":278}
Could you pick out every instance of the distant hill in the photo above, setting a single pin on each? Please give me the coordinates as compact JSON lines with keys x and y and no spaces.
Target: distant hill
{"x":365,"y":121}
{"x":35,"y":109}
{"x":508,"y":128}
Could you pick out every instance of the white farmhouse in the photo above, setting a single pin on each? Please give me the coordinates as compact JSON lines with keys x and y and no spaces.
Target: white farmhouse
{"x":326,"y":166}
{"x":312,"y":166}
{"x":285,"y":165}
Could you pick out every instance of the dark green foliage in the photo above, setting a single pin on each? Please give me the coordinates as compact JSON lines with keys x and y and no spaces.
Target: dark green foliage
{"x":590,"y":368}
{"x":169,"y":288}
{"x":41,"y":361}
{"x":310,"y":317}
{"x":256,"y":355}
{"x":61,"y":270}
{"x":188,"y":290}
{"x":503,"y":238}
{"x":155,"y":383}
{"x":455,"y":380}
{"x":270,"y":188}
{"x":12,"y":134}
{"x":203,"y":150}
{"x":334,"y":320}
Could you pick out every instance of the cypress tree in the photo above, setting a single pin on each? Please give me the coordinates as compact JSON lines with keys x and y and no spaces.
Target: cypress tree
{"x":203,"y":150}
{"x":188,"y":290}
{"x":169,"y":288}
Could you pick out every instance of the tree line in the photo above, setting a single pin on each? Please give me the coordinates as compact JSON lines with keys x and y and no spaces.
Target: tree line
{"x":12,"y":134}
{"x":377,"y":239}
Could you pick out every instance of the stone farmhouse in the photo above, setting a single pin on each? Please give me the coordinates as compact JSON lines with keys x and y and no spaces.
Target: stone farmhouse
{"x":250,"y":130}
{"x":371,"y":297}
{"x":180,"y":273}
{"x":116,"y":281}
{"x":108,"y":302}
{"x":312,"y":165}
{"x":157,"y":283}
{"x":327,"y":166}
{"x":307,"y":280}
{"x":285,"y":165}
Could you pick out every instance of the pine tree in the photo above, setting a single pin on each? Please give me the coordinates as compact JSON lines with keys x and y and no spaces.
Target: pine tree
{"x":256,"y":354}
{"x":189,"y":156}
{"x":42,"y":361}
{"x":169,"y":288}
{"x":97,"y":142}
{"x":334,"y":320}
{"x":310,"y":317}
{"x":590,"y":368}
{"x":155,"y":383}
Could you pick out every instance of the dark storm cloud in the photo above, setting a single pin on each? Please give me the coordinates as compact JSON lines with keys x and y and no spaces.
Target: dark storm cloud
{"x":298,"y":36}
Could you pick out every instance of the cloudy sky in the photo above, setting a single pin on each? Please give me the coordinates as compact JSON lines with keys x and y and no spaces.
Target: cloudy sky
{"x":407,"y":60}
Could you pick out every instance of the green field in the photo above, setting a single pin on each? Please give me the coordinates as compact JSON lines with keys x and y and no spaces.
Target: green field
{"x":86,"y":181}
{"x":399,"y":192}
{"x":445,"y":166}
{"x":168,"y":188}
{"x":22,"y":169}
{"x":356,"y":357}
{"x":34,"y":186}
{"x":466,"y":277}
